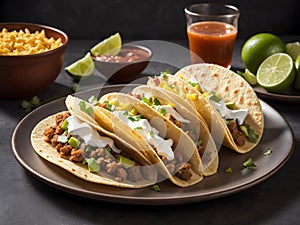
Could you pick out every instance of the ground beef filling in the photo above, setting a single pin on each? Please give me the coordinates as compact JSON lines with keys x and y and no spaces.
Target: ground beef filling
{"x":178,"y":166}
{"x":173,"y":120}
{"x":237,"y":135}
{"x":107,"y":162}
{"x":200,"y":148}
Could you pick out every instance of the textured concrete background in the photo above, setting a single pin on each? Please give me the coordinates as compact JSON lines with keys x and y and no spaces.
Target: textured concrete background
{"x":148,"y":19}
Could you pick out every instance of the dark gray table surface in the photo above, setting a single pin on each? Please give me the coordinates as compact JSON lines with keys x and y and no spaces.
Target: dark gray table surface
{"x":28,"y":201}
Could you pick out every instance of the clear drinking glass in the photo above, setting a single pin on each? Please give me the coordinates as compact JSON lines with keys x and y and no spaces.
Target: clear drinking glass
{"x":212,"y":30}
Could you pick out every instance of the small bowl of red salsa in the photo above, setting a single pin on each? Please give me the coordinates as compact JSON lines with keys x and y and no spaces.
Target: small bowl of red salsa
{"x":126,"y":66}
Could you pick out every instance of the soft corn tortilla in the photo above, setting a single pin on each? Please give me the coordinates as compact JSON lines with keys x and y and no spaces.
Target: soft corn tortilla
{"x":49,"y":153}
{"x":232,"y":88}
{"x":181,"y":141}
{"x":210,"y":159}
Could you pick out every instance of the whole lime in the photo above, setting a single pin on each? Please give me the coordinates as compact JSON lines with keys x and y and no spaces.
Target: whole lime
{"x":259,"y":47}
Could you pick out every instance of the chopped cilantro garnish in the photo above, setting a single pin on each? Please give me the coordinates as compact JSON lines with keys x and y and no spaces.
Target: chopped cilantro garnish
{"x":93,"y":100}
{"x":35,"y":102}
{"x":126,"y":113}
{"x":156,"y":101}
{"x":109,"y":107}
{"x":156,"y":188}
{"x":249,"y":164}
{"x":167,"y":71}
{"x":164,"y":74}
{"x":84,"y":108}
{"x":163,"y":111}
{"x":228,"y":170}
{"x":268,"y":152}
{"x":151,"y":133}
{"x":251,"y":135}
{"x":198,"y":143}
{"x":135,"y":118}
{"x":138,"y":128}
{"x":193,"y":84}
{"x":146,"y":100}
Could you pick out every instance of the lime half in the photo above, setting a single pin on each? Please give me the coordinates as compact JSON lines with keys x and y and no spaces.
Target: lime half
{"x":293,"y":49}
{"x":109,"y":46}
{"x":81,"y":68}
{"x":276,"y":73}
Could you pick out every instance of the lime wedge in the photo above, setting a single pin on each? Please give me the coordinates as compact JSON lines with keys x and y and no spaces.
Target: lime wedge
{"x":276,"y":73}
{"x":293,"y":49}
{"x":250,"y":77}
{"x":109,"y":46}
{"x":83,"y":67}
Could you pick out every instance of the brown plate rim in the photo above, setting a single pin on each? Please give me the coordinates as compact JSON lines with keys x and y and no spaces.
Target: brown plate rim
{"x":284,"y":98}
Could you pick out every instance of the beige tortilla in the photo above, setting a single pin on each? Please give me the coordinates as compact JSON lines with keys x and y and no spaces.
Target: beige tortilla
{"x":180,"y":90}
{"x":181,"y":141}
{"x":232,"y":88}
{"x":46,"y":151}
{"x":210,"y":159}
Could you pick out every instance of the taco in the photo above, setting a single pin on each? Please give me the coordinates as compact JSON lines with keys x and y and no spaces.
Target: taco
{"x":91,"y":153}
{"x":189,"y":97}
{"x":233,"y":98}
{"x":188,"y":122}
{"x":165,"y":145}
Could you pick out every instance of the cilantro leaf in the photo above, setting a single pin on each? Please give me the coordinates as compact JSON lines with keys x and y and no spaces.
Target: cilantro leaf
{"x":93,"y":100}
{"x":252,"y":136}
{"x":164,"y":74}
{"x":151,"y":133}
{"x":228,"y":170}
{"x":156,"y":101}
{"x":135,"y":118}
{"x":84,"y":108}
{"x":198,"y":143}
{"x":156,"y":188}
{"x":163,"y":111}
{"x":126,"y":113}
{"x":35,"y":102}
{"x":109,"y":107}
{"x":146,"y":100}
{"x":249,"y":164}
{"x":267,"y":152}
{"x":192,"y":84}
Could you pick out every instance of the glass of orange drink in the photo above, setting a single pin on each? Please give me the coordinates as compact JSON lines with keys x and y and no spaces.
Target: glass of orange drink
{"x":212,"y":30}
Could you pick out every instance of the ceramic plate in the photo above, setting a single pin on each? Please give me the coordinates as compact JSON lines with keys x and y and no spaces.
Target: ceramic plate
{"x":289,"y":96}
{"x":278,"y":137}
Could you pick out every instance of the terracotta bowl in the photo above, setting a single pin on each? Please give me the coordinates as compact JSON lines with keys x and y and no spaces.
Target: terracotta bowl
{"x":27,"y":75}
{"x":124,"y":71}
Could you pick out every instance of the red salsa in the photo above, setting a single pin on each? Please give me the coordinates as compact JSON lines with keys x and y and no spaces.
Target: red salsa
{"x":126,"y":54}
